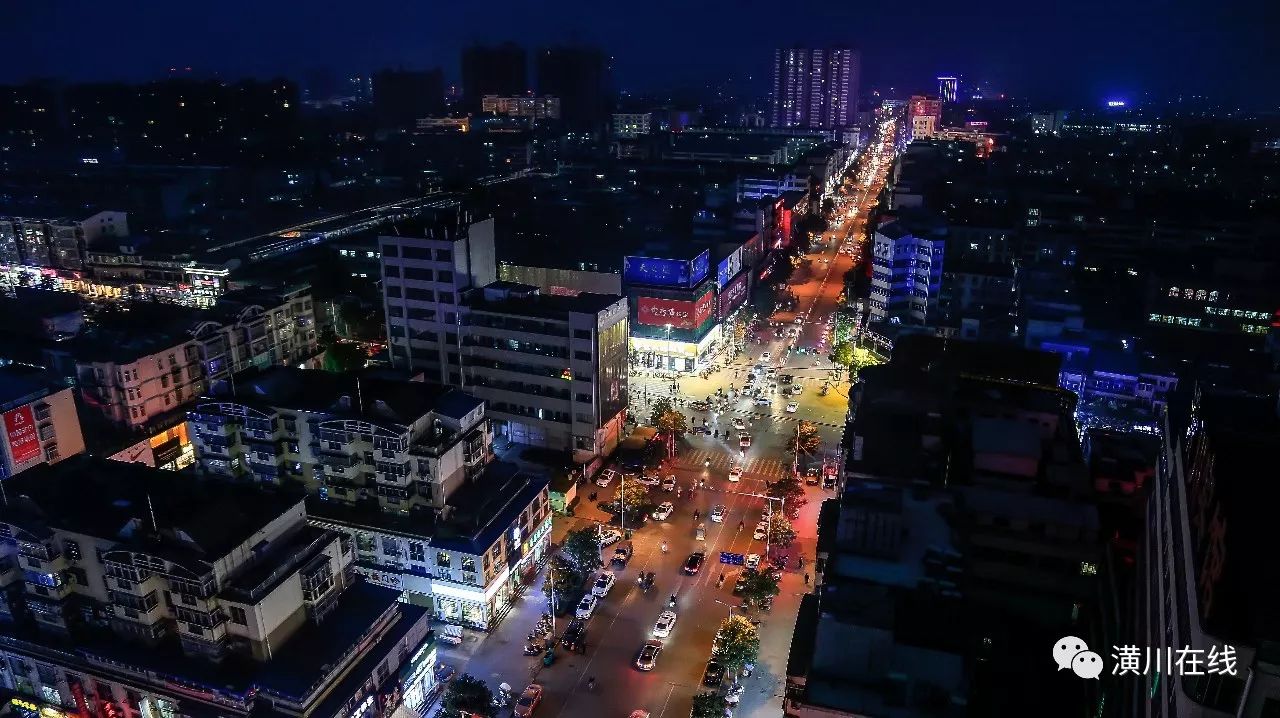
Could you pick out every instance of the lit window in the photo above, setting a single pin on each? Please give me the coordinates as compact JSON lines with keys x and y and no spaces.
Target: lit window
{"x":1088,"y":569}
{"x":1201,"y":295}
{"x":1173,"y":291}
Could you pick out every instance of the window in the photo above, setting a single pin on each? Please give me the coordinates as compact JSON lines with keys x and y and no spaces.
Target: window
{"x":393,"y":291}
{"x":237,"y":616}
{"x":397,"y":312}
{"x":581,"y":333}
{"x":1088,"y":569}
{"x":417,"y":253}
{"x":390,"y":547}
{"x":444,"y":255}
{"x":391,"y":270}
{"x":445,"y":276}
{"x":446,"y":297}
{"x":425,"y":275}
{"x":421,"y":295}
{"x":391,"y":250}
{"x":443,"y":559}
{"x":584,"y":356}
{"x":417,"y":552}
{"x":469,"y":564}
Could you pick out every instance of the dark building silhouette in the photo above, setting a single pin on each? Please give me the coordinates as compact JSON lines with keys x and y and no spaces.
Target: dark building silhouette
{"x":401,"y":97}
{"x":493,"y":70}
{"x":579,"y":76}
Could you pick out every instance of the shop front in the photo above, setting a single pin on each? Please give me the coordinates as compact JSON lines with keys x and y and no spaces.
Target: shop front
{"x":673,"y":355}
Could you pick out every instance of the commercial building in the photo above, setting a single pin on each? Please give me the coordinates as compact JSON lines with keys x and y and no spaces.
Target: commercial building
{"x":1047,"y":123}
{"x":674,"y":325}
{"x":128,"y":594}
{"x":442,"y":124}
{"x":493,"y":70}
{"x":924,"y":116}
{"x":546,"y":107}
{"x":40,"y":424}
{"x":906,"y":266}
{"x":815,"y":87}
{"x":59,"y":243}
{"x":630,"y":125}
{"x":402,"y":467}
{"x":1206,"y":581}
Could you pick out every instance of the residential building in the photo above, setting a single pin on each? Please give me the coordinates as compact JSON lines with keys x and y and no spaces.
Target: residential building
{"x":546,"y":107}
{"x":906,"y":265}
{"x":131,"y":378}
{"x":255,"y":328}
{"x":815,"y":87}
{"x":948,"y":88}
{"x":631,"y":124}
{"x":1206,"y":581}
{"x":579,"y":76}
{"x":40,"y":423}
{"x":1047,"y":123}
{"x":142,"y":596}
{"x":493,"y":70}
{"x":442,"y":124}
{"x":402,"y":467}
{"x":59,"y":243}
{"x":921,"y":106}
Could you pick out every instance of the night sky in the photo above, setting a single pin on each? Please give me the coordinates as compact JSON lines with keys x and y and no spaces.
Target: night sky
{"x":1078,"y":51}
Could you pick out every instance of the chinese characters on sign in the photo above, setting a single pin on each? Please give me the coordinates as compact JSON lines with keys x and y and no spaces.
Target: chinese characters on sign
{"x":679,"y":314}
{"x":20,"y":426}
{"x":732,"y":296}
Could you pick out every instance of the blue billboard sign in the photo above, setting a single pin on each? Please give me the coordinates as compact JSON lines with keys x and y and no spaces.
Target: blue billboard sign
{"x":701,"y":267}
{"x":666,"y":272}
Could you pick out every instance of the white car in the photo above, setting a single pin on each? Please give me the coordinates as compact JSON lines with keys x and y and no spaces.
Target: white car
{"x":799,"y":320}
{"x":735,"y":474}
{"x":738,"y":423}
{"x":762,"y":528}
{"x":649,"y":480}
{"x":663,"y":512}
{"x":666,"y":622}
{"x":797,"y":389}
{"x":604,"y":582}
{"x":717,"y":513}
{"x":763,"y":401}
{"x":752,"y":562}
{"x":586,"y":607}
{"x":610,"y":537}
{"x":792,"y":407}
{"x":605,"y":477}
{"x":669,"y":483}
{"x":764,"y":357}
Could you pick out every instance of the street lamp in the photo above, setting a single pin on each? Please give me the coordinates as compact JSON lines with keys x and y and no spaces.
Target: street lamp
{"x":729,"y":606}
{"x":668,"y":361}
{"x":768,"y":534}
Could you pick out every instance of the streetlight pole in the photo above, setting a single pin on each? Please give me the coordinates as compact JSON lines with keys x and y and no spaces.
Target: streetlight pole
{"x":668,"y":358}
{"x":726,"y":605}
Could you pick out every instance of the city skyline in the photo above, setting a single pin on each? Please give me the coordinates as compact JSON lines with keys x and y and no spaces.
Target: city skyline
{"x":1038,"y":54}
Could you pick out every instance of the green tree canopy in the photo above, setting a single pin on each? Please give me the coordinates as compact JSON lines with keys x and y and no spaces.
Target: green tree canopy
{"x":467,"y":694}
{"x":842,"y":354}
{"x":791,"y":491}
{"x":563,"y":580}
{"x":708,"y":705}
{"x":805,"y":439}
{"x":780,"y":531}
{"x":737,"y":643}
{"x":634,"y":496}
{"x":758,"y":587}
{"x":341,"y":356}
{"x":582,"y":547}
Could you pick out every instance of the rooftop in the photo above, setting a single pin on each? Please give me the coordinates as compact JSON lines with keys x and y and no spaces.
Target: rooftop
{"x":924,"y":544}
{"x":21,"y":384}
{"x":535,"y":304}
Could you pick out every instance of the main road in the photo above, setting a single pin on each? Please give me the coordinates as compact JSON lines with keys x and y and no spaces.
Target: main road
{"x":623,"y":621}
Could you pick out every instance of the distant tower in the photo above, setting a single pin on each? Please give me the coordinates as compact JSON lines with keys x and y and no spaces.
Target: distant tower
{"x":815,"y":87}
{"x":948,"y":88}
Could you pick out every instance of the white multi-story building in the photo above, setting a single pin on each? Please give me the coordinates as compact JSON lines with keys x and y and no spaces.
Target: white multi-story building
{"x":57,"y":243}
{"x":546,"y":107}
{"x":403,"y":467}
{"x":39,"y":421}
{"x":124,"y":593}
{"x":906,"y":278}
{"x":631,"y":124}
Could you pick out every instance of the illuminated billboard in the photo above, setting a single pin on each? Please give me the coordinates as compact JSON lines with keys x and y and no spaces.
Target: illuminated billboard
{"x":20,"y":427}
{"x":666,"y":272}
{"x":656,"y":312}
{"x":729,"y":267}
{"x":733,"y":295}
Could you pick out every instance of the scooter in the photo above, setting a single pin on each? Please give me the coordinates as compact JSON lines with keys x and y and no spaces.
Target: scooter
{"x":533,"y":648}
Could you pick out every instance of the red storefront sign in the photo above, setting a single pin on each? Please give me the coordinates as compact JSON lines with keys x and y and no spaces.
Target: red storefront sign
{"x":733,"y":294}
{"x":679,"y":314}
{"x":20,"y":425}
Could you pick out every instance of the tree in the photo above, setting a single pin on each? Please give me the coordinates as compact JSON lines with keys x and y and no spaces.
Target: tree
{"x":467,"y":694}
{"x":791,"y":491}
{"x":563,"y":580}
{"x":758,"y":588}
{"x":660,"y":407}
{"x":737,"y":643}
{"x":634,"y":496}
{"x":708,"y":705}
{"x":340,"y":357}
{"x":582,"y":546}
{"x":780,"y":531}
{"x":805,"y":440}
{"x":842,"y":354}
{"x":828,"y":205}
{"x":672,"y":423}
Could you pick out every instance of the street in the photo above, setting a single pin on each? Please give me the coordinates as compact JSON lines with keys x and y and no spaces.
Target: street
{"x":624,"y":618}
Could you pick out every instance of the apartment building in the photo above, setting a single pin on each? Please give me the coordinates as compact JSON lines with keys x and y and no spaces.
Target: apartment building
{"x":130,"y":378}
{"x":40,"y":424}
{"x":59,"y":243}
{"x":546,"y":107}
{"x":124,"y":593}
{"x":402,"y":467}
{"x":249,"y":328}
{"x":1207,"y":579}
{"x":906,"y":278}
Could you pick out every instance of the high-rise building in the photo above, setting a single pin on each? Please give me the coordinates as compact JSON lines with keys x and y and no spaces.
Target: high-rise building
{"x":924,"y":116}
{"x":493,"y":70}
{"x":400,"y":97}
{"x":948,"y":88}
{"x":579,"y":76}
{"x":815,"y":87}
{"x":906,"y":278}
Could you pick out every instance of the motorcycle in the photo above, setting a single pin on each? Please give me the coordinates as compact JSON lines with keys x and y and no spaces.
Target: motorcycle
{"x":534,"y":648}
{"x":672,"y":602}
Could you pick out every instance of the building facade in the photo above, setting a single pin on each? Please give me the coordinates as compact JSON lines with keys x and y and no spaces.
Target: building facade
{"x":632,"y":124}
{"x":906,"y":277}
{"x":60,"y":243}
{"x":815,"y":87}
{"x":546,"y":107}
{"x":40,"y":424}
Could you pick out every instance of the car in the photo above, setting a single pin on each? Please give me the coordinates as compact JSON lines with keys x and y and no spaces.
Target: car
{"x":622,"y":554}
{"x":604,"y":582}
{"x":648,"y":479}
{"x":744,"y":441}
{"x":735,"y":474}
{"x":605,"y":477}
{"x":714,"y":675}
{"x":528,"y":700}
{"x":610,"y":537}
{"x":693,"y":564}
{"x":764,"y":356}
{"x":741,"y":585}
{"x":648,"y":657}
{"x":771,"y":371}
{"x":663,"y":512}
{"x":717,"y":513}
{"x":797,"y":389}
{"x":799,"y":320}
{"x":734,"y":695}
{"x":752,"y":561}
{"x":574,"y":639}
{"x":586,"y":607}
{"x":669,"y":483}
{"x":763,"y":401}
{"x":792,"y":407}
{"x":666,"y":621}
{"x":699,"y":406}
{"x":700,"y":429}
{"x":811,"y":477}
{"x":738,"y":423}
{"x":762,"y":529}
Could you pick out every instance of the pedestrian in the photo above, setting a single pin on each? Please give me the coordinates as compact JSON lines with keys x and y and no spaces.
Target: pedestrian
{"x":806,"y":579}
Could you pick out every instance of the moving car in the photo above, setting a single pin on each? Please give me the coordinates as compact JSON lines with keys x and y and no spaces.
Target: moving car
{"x":666,"y":621}
{"x":744,"y":440}
{"x":738,"y":423}
{"x":792,"y":407}
{"x":622,"y":554}
{"x":799,"y":320}
{"x":648,"y":479}
{"x":586,"y":607}
{"x":610,"y":537}
{"x":528,"y":700}
{"x":669,"y":483}
{"x":762,"y":529}
{"x":604,"y":582}
{"x":717,"y":513}
{"x":752,"y":561}
{"x":811,"y":476}
{"x":763,"y":401}
{"x":605,"y":477}
{"x":764,"y":356}
{"x":735,"y":474}
{"x":693,"y":564}
{"x":663,"y":512}
{"x":714,"y":674}
{"x":699,"y":406}
{"x":648,"y":657}
{"x":797,"y":389}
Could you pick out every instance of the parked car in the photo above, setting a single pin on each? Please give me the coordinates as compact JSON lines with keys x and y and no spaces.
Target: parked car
{"x":575,"y":636}
{"x":622,"y":554}
{"x":605,"y":477}
{"x":586,"y":607}
{"x":604,"y":582}
{"x":663,"y":512}
{"x":669,"y":483}
{"x":714,"y":675}
{"x":811,"y":476}
{"x":762,"y":529}
{"x":649,"y":479}
{"x":610,"y":537}
{"x":528,"y":700}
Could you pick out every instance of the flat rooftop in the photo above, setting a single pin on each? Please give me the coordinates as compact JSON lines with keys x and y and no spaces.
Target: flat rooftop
{"x":546,"y":306}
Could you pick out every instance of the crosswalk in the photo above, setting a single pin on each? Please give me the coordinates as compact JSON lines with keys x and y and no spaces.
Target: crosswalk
{"x":760,"y":468}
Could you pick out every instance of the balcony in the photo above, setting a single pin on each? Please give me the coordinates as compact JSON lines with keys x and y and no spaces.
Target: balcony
{"x":39,"y":550}
{"x":336,"y":460}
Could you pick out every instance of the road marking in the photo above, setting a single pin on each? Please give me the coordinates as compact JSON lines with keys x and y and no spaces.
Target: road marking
{"x":666,"y":702}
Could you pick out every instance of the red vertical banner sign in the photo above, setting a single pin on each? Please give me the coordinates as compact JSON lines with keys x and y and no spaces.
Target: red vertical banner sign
{"x":20,"y":425}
